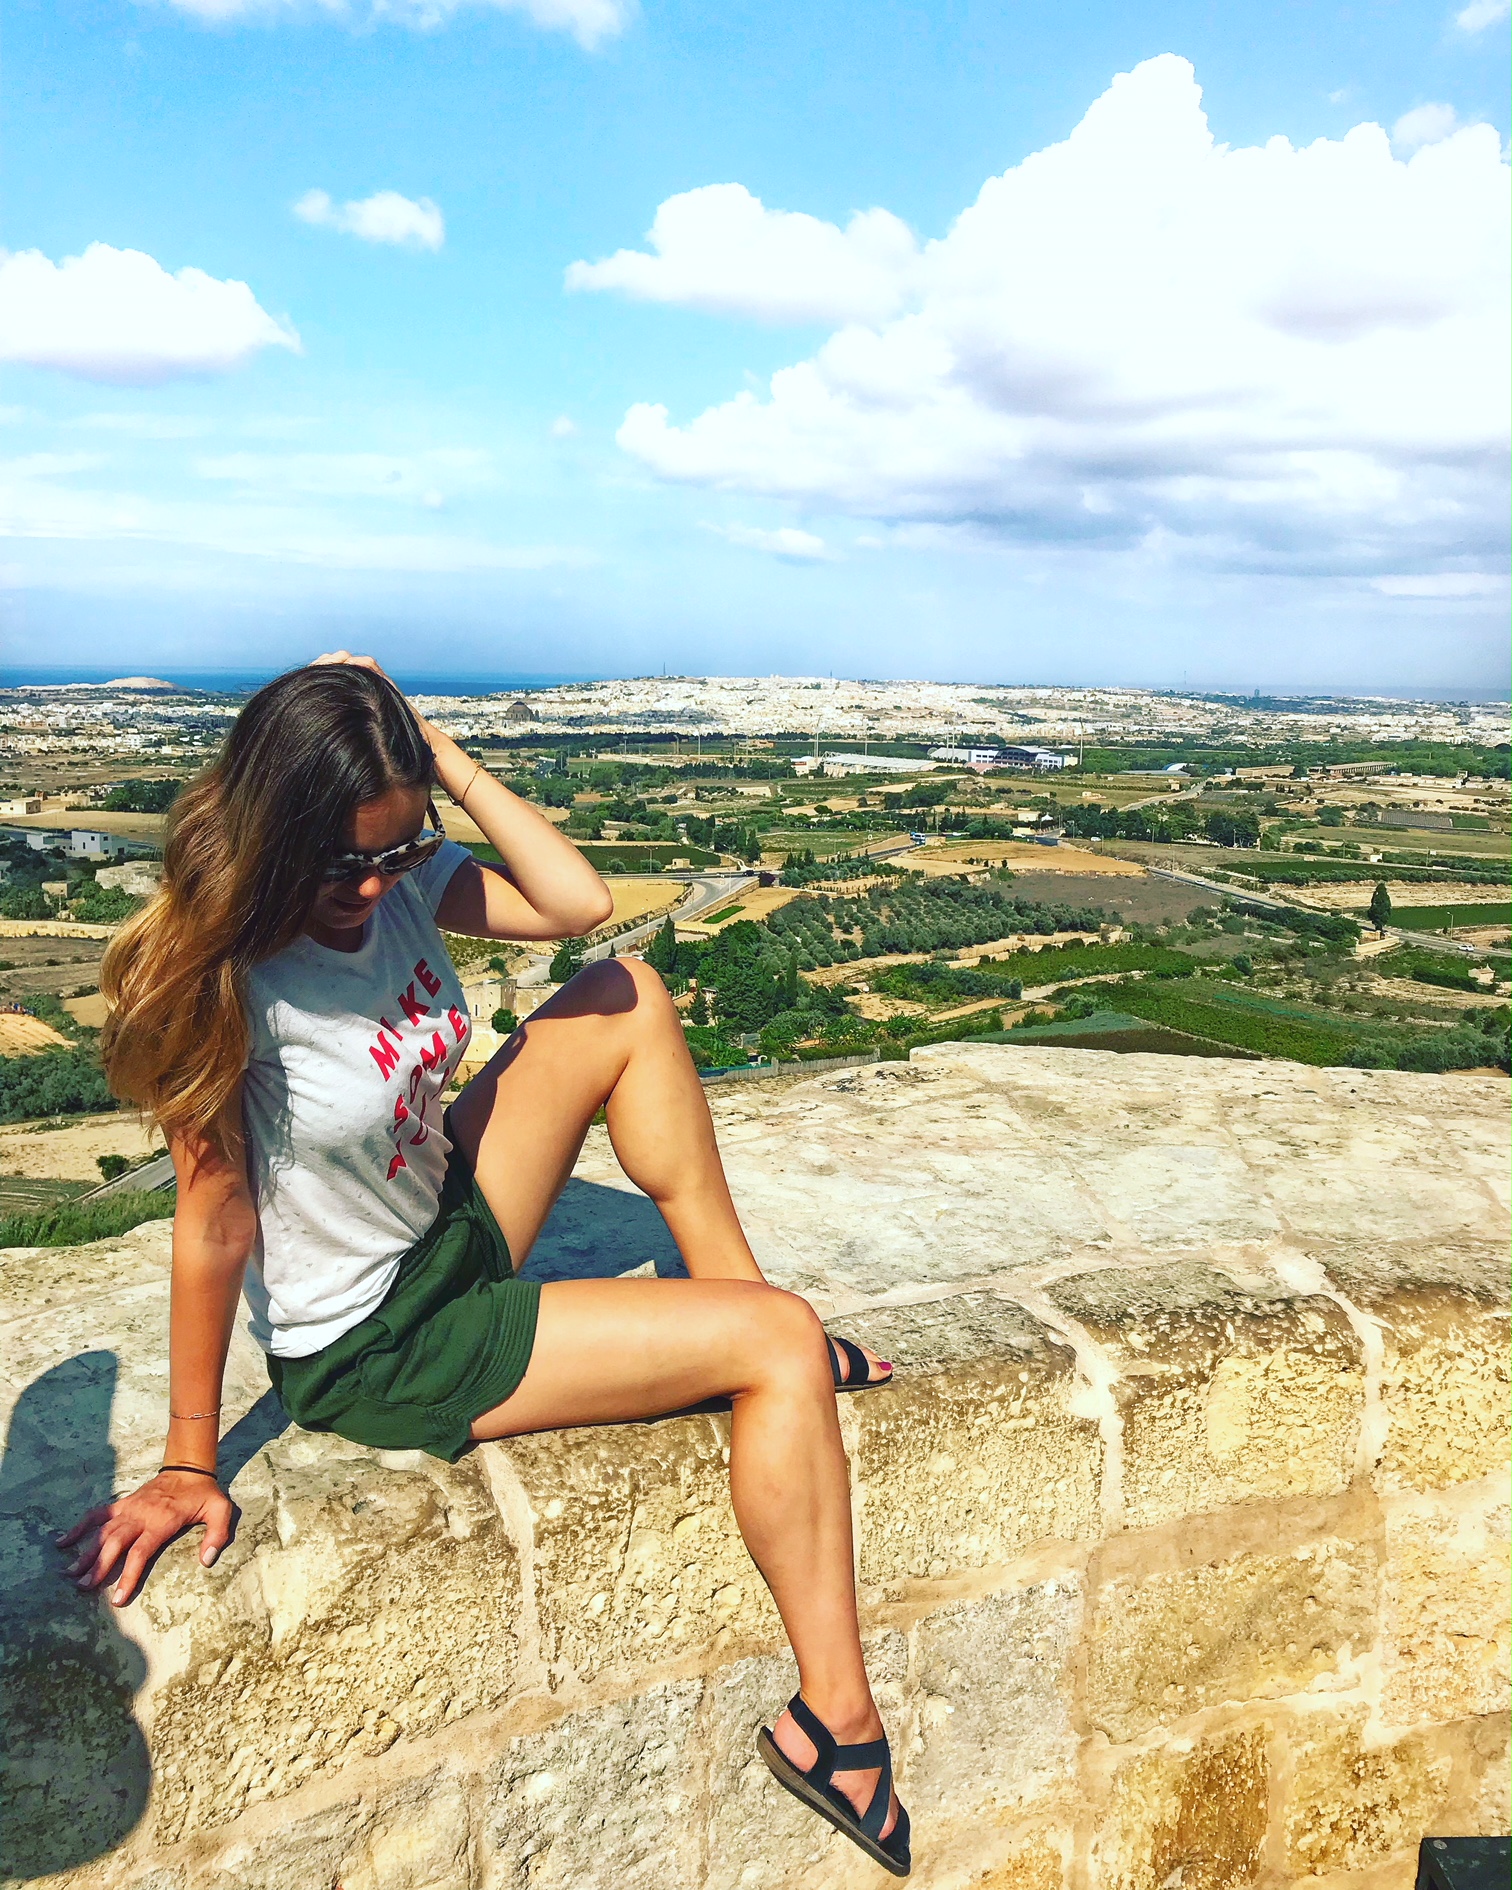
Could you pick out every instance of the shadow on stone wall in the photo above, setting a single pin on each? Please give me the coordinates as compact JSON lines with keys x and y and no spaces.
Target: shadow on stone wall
{"x":598,"y":1233}
{"x":74,"y":1770}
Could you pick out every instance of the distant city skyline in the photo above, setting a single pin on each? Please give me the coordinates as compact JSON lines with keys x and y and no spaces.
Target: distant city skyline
{"x":1159,"y":347}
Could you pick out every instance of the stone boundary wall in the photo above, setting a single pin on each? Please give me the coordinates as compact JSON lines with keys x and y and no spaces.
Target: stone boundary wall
{"x":1176,"y":1575}
{"x":1180,"y":1579}
{"x":54,"y":928}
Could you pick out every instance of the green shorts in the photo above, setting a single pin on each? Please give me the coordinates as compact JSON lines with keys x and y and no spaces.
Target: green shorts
{"x":450,"y":1341}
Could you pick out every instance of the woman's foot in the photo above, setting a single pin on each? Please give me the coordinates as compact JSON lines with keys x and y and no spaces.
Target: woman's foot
{"x":856,"y":1365}
{"x":858,"y":1787}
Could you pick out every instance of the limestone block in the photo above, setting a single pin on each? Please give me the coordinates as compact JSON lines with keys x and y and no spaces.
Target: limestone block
{"x":363,"y":1602}
{"x":1350,"y":1805}
{"x":759,"y":1836}
{"x":637,"y":1557}
{"x":1145,"y":1137}
{"x":1193,"y":1816}
{"x":1358,"y":1158}
{"x":605,"y":1797}
{"x":421,"y":1840}
{"x":993,"y":1726}
{"x":1038,"y":1864}
{"x":1444,"y":1389}
{"x":1165,"y":1645}
{"x":1444,"y":1584}
{"x":1224,"y":1393}
{"x":974,"y":1453}
{"x":896,"y":1175}
{"x":306,"y":1850}
{"x":1482,"y":1803}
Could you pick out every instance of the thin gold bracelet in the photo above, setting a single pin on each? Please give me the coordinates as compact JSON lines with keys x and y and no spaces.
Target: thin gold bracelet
{"x":462,"y":797}
{"x":192,"y":1417}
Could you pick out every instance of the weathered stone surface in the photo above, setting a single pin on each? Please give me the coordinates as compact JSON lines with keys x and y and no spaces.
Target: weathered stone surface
{"x":99,"y":1313}
{"x":1120,"y":1522}
{"x":74,"y":1767}
{"x":1445,"y":1615}
{"x":896,"y":1175}
{"x":359,"y":1606}
{"x":974,"y":1453}
{"x":420,"y":1840}
{"x":1224,"y":1392}
{"x":307,"y":1850}
{"x":607,"y":1797}
{"x":1166,"y":1645}
{"x":1194,"y":1817}
{"x":1444,"y":1390}
{"x":637,"y":1556}
{"x":1356,"y":1158}
{"x":993,"y":1723}
{"x":1039,"y":1864}
{"x":1350,"y":1805}
{"x":758,"y":1836}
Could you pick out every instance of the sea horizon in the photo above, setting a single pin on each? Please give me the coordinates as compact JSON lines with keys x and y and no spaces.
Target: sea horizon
{"x":240,"y":681}
{"x":237,"y":681}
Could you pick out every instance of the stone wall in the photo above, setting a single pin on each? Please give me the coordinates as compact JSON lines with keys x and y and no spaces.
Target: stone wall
{"x":1182,"y":1535}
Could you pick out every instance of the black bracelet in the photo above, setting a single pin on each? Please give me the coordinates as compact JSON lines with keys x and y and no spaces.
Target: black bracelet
{"x":193,"y":1469}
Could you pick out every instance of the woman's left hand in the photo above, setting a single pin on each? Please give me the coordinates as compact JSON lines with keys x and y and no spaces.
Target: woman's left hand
{"x":357,"y":662}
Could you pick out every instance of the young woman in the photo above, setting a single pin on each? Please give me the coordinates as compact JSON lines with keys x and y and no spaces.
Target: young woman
{"x":286,"y":1010}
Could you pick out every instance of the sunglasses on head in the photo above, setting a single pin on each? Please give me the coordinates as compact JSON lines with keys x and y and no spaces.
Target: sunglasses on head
{"x":391,"y":862}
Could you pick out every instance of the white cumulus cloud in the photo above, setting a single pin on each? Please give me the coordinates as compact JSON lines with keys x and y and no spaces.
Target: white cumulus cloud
{"x":1480,"y":14}
{"x":385,"y":217}
{"x":720,"y":249}
{"x":117,"y":315}
{"x":785,"y":541}
{"x":1424,"y":124}
{"x":1268,"y":358}
{"x":589,"y":22}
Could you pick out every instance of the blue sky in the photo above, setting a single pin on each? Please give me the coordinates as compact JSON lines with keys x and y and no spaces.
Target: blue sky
{"x":1173,"y":402}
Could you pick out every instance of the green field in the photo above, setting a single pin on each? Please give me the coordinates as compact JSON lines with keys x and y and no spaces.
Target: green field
{"x":1120,"y":1031}
{"x":1435,"y":918}
{"x":932,"y":983}
{"x":1221,"y":1015}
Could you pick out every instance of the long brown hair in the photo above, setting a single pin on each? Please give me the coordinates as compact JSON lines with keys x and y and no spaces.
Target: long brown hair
{"x":246,"y":844}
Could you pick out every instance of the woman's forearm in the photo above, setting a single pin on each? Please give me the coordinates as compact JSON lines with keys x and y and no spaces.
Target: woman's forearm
{"x":207,"y":1277}
{"x":549,"y":871}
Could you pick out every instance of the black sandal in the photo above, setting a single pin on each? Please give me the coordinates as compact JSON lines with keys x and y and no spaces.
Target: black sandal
{"x":857,"y":1366}
{"x":813,"y":1787}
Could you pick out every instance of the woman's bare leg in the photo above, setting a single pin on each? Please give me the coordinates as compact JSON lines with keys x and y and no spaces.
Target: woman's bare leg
{"x":608,"y":1349}
{"x":610,"y":1039}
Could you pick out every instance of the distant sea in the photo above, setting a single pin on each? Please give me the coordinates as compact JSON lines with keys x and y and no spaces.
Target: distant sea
{"x":240,"y":681}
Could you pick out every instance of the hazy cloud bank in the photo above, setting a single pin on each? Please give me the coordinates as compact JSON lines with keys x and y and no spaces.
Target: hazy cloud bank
{"x":1262,"y":359}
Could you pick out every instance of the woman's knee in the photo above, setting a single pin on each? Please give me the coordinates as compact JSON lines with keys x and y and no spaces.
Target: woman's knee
{"x":610,"y":988}
{"x":788,"y":1331}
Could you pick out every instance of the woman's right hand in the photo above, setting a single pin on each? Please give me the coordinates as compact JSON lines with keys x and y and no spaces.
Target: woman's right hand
{"x":131,"y":1530}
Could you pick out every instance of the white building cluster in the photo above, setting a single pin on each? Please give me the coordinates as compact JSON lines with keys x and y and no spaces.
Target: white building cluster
{"x":827,"y":710}
{"x":150,"y":721}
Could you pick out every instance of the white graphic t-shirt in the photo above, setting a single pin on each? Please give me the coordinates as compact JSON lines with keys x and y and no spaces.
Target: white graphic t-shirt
{"x":351,"y":1053}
